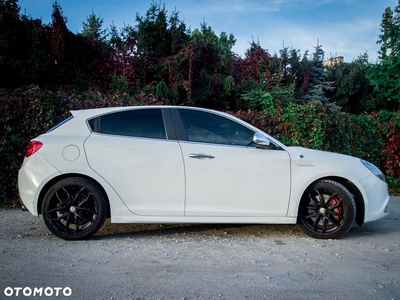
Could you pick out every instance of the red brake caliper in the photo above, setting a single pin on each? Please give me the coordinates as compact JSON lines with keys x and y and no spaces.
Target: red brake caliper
{"x":60,"y":204}
{"x":338,"y":209}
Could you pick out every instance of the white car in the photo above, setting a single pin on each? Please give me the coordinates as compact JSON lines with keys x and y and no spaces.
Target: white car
{"x":166,"y":164}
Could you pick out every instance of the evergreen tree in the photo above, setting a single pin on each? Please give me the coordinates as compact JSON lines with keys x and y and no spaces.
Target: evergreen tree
{"x":384,"y":75}
{"x":159,"y":35}
{"x":318,"y":82}
{"x":158,"y":38}
{"x":13,"y":50}
{"x":285,"y":64}
{"x":299,"y":64}
{"x":294,"y":74}
{"x":353,"y":91}
{"x":210,"y":62}
{"x":113,"y":37}
{"x":92,"y":27}
{"x":59,"y":40}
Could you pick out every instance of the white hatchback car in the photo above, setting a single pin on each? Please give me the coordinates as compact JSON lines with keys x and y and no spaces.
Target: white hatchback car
{"x":166,"y":164}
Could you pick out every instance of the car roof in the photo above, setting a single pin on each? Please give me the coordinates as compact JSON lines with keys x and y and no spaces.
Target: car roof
{"x":91,"y":112}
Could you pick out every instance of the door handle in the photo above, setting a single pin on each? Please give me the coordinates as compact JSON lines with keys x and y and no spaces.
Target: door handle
{"x":200,"y":156}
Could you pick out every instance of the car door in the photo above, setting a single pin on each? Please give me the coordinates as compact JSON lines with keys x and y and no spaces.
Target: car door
{"x":132,"y":152}
{"x":225,"y":176}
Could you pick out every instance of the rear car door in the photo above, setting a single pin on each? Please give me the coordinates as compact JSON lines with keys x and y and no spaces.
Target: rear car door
{"x":132,"y":151}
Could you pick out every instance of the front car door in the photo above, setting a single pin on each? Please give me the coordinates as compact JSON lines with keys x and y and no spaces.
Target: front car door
{"x":225,"y":174}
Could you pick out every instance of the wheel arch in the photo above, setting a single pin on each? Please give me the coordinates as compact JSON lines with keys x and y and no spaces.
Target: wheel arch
{"x":358,"y":198}
{"x":51,"y":182}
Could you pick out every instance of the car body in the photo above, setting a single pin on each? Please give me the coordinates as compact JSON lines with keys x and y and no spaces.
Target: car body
{"x":167,"y":164}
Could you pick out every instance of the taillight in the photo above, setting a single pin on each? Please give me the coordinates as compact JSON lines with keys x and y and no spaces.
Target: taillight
{"x":33,"y":147}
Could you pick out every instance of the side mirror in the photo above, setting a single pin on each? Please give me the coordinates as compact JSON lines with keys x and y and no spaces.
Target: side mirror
{"x":261,"y":141}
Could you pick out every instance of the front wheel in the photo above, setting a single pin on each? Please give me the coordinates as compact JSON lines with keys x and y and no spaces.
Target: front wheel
{"x":74,"y":208}
{"x":327,"y":210}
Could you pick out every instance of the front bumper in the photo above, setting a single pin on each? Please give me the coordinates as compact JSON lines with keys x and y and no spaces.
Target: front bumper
{"x":376,"y":198}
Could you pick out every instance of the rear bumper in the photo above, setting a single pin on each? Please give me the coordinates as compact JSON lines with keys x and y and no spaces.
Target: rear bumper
{"x":34,"y":173}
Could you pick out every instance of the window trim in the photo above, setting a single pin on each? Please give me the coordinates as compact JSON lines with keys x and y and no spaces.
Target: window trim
{"x":98,"y":123}
{"x":182,"y":134}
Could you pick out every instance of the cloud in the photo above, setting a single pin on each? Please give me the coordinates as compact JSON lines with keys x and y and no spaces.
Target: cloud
{"x":252,"y":6}
{"x":348,"y":39}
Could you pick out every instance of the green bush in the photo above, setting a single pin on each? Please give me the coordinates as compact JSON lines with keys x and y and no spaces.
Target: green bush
{"x":373,"y":137}
{"x":30,"y":111}
{"x":24,"y":114}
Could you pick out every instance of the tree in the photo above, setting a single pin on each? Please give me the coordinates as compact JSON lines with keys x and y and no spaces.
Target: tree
{"x":255,"y":67}
{"x":289,"y":77}
{"x":353,"y":91}
{"x":159,"y":38}
{"x":299,"y":65}
{"x":59,"y":40}
{"x":316,"y":84}
{"x":158,"y":34}
{"x":13,"y":54}
{"x":24,"y":47}
{"x":122,"y":53}
{"x":75,"y":58}
{"x":385,"y":75}
{"x":92,"y":28}
{"x":210,"y":60}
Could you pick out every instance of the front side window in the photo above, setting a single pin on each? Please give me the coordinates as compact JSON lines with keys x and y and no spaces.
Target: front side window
{"x":147,"y":123}
{"x":210,"y":128}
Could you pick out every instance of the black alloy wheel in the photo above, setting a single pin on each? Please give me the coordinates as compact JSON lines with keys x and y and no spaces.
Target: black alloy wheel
{"x":327,"y":210}
{"x":74,"y":208}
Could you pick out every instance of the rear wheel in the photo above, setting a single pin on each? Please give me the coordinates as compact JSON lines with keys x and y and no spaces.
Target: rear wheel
{"x":74,"y":208}
{"x":327,"y":210}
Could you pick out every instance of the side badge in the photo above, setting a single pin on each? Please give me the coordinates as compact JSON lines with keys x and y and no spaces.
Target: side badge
{"x":304,"y":164}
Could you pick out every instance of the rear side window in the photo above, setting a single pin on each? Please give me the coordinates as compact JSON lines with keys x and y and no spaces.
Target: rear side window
{"x":147,"y":123}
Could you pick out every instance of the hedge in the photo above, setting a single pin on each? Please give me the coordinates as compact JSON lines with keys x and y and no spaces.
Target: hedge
{"x":28,"y":111}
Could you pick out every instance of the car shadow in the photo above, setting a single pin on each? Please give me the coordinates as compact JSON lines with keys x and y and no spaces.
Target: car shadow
{"x":109,"y":230}
{"x":376,"y":228}
{"x":386,"y":226}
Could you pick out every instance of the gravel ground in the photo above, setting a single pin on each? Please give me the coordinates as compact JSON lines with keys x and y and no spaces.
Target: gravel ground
{"x":136,"y":261}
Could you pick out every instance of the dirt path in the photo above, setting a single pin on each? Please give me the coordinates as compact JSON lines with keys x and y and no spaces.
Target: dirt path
{"x":200,"y":261}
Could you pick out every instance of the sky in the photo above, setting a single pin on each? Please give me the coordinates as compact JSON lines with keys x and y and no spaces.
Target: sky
{"x":345,"y":28}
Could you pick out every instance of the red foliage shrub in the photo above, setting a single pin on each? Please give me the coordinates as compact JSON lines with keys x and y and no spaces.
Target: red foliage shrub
{"x":390,"y":159}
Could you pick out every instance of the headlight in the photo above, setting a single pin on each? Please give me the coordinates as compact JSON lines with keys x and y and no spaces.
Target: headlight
{"x":373,"y":169}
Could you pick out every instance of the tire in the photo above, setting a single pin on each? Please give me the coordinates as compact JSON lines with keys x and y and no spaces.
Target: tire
{"x":327,"y":210}
{"x":74,"y":208}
